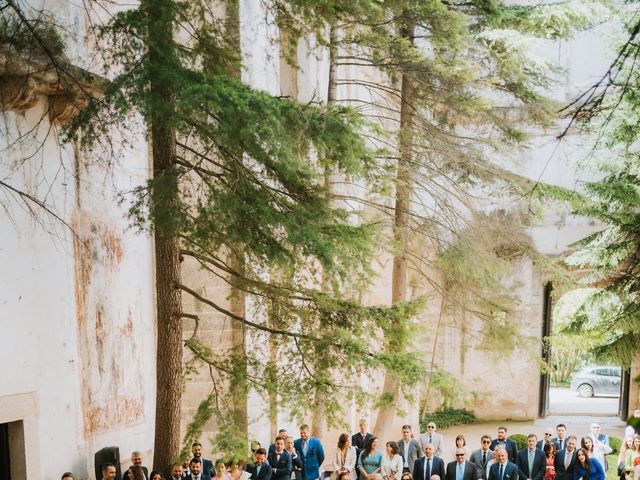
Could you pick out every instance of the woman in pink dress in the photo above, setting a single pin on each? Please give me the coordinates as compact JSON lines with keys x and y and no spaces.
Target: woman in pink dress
{"x":549,"y":455}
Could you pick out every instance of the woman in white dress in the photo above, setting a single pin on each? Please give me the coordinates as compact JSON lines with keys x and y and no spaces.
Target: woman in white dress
{"x":344,"y":460}
{"x":392,"y":462}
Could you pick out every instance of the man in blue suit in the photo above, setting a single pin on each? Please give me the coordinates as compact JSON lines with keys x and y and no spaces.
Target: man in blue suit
{"x":531,"y":461}
{"x":260,"y":470}
{"x":509,"y":445}
{"x":425,"y":467}
{"x":280,"y":461}
{"x":502,"y":469}
{"x":310,"y":452}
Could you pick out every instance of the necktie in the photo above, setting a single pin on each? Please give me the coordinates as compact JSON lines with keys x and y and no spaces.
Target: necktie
{"x":530,"y":463}
{"x":430,"y":439}
{"x":459,"y":472}
{"x":484,"y":458}
{"x":567,"y":460}
{"x":258,"y":471}
{"x":501,"y":471}
{"x":304,"y":448}
{"x":561,"y":442}
{"x":427,"y":472}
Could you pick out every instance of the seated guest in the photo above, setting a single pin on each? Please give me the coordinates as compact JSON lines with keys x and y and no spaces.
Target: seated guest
{"x":67,"y":476}
{"x":136,"y":461}
{"x":260,"y":470}
{"x":176,"y":472}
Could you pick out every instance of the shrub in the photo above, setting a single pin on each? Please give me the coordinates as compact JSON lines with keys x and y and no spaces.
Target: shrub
{"x":447,"y":417}
{"x":615,"y":443}
{"x":520,"y":439}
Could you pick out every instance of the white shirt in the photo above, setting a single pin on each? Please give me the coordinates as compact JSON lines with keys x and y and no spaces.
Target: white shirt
{"x":395,"y":463}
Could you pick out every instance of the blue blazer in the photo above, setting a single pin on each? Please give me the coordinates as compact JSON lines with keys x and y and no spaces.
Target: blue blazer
{"x":510,"y":471}
{"x":437,"y":468}
{"x":596,"y":472}
{"x":539,"y":465}
{"x":312,"y":461}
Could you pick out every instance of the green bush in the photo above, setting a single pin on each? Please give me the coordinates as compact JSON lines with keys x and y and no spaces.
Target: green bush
{"x":520,"y":439}
{"x":447,"y":417}
{"x":614,"y":443}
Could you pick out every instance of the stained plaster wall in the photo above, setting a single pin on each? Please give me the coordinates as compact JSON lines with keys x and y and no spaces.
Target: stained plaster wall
{"x":76,"y":302}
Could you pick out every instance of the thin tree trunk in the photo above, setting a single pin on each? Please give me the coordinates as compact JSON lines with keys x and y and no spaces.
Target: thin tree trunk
{"x":167,"y":250}
{"x":318,"y":420}
{"x":404,"y":178}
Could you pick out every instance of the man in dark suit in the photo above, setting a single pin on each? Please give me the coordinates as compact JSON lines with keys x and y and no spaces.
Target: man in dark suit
{"x":260,"y":470}
{"x":547,"y":438}
{"x":428,"y":465}
{"x":565,"y":460}
{"x":280,"y":461}
{"x":195,"y":470}
{"x":531,"y":462}
{"x":136,"y":461}
{"x":481,"y":457}
{"x":461,"y":469}
{"x":508,"y":444}
{"x":560,"y":440}
{"x":360,"y":439}
{"x":409,"y":449}
{"x":296,"y":461}
{"x":502,"y":469}
{"x":282,"y":433}
{"x":207,"y":465}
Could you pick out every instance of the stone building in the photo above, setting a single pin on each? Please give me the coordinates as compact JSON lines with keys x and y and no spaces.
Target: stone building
{"x":78,"y":340}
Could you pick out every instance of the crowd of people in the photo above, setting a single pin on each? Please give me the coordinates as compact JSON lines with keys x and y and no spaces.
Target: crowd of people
{"x":556,"y":456}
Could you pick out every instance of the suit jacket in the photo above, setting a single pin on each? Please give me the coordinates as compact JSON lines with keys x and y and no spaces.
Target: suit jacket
{"x":415,"y":452}
{"x":470,"y":471}
{"x":510,"y":471}
{"x":264,"y":474}
{"x":207,"y":467}
{"x":510,"y":445}
{"x":203,"y":476}
{"x":539,"y":466}
{"x":481,"y":467}
{"x":540,"y":444}
{"x":281,"y":469}
{"x":436,"y":440}
{"x":437,"y":468}
{"x":312,"y":460}
{"x":359,"y":442}
{"x":144,"y":469}
{"x":556,"y":442}
{"x":296,"y":462}
{"x":563,"y":473}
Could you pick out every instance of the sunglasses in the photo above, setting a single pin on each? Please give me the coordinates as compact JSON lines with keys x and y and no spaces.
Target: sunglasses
{"x":431,"y":426}
{"x":486,"y":441}
{"x":548,"y":434}
{"x":459,"y":454}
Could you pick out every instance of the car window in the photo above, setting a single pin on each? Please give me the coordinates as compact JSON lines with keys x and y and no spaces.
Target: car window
{"x":615,"y":372}
{"x":601,"y":371}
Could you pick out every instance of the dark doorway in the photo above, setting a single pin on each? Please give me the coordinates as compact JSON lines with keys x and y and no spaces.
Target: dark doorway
{"x":5,"y":467}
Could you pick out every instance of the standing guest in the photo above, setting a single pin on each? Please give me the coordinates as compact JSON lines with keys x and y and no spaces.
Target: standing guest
{"x":370,"y":461}
{"x":155,"y":475}
{"x":624,"y":446}
{"x":67,"y":476}
{"x":629,"y":430}
{"x":296,"y":461}
{"x":461,"y":442}
{"x":360,"y":439}
{"x":566,"y":460}
{"x":345,"y":458}
{"x":508,"y":444}
{"x":282,"y":433}
{"x":108,"y":471}
{"x":550,"y":461}
{"x":392,"y":463}
{"x":311,"y":453}
{"x":530,"y":461}
{"x":260,"y":470}
{"x":136,"y":461}
{"x":280,"y":461}
{"x":134,"y":473}
{"x":630,"y":456}
{"x":547,"y":438}
{"x":460,"y":469}
{"x":429,"y":465}
{"x":221,"y":471}
{"x":481,"y":457}
{"x":587,"y":468}
{"x":636,"y":471}
{"x":234,"y":470}
{"x":409,"y":449}
{"x":595,"y":450}
{"x":433,"y":438}
{"x":600,"y":442}
{"x":406,"y":476}
{"x":176,"y":472}
{"x":195,"y":469}
{"x":561,"y":437}
{"x":502,"y":468}
{"x":207,"y":465}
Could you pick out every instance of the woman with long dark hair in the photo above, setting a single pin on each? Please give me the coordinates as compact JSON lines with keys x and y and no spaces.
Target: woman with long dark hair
{"x":345,"y":458}
{"x":587,"y":468}
{"x":370,"y":461}
{"x":550,"y":457}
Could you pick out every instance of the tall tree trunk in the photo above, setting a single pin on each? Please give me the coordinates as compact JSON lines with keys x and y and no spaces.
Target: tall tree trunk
{"x":318,"y":419}
{"x":404,"y":179}
{"x":167,"y":251}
